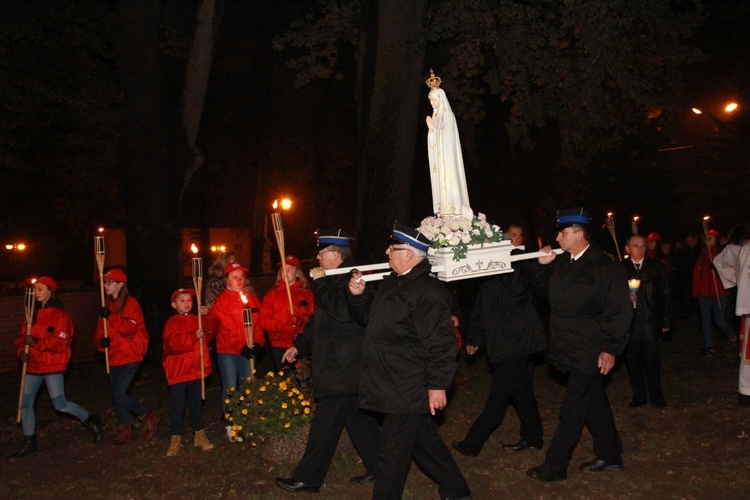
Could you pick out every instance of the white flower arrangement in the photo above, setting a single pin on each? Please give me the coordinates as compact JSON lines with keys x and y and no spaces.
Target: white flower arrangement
{"x":459,"y":232}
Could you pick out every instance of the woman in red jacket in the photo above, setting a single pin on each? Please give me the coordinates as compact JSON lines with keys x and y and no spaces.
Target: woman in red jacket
{"x":182,"y":365}
{"x":49,"y":352}
{"x":127,"y":341}
{"x":275,"y":317}
{"x":712,"y":298}
{"x":225,"y":321}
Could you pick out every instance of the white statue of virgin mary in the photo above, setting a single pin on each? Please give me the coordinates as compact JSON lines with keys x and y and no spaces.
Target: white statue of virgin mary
{"x":450,"y":196}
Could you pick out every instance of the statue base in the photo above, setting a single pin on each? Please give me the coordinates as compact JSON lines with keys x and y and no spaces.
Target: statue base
{"x":481,"y":260}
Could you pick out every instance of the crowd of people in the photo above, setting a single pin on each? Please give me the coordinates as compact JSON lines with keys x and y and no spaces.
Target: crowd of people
{"x":384,"y":357}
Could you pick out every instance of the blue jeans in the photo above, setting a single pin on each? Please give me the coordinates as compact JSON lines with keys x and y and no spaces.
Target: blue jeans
{"x":56,"y":389}
{"x":234,"y":369}
{"x":120,"y":378}
{"x":711,"y":307}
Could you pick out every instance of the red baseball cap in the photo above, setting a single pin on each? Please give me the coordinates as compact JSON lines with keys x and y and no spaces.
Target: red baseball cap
{"x":234,"y":266}
{"x":653,"y":236}
{"x":116,"y":275}
{"x":714,"y":232}
{"x":46,"y":280}
{"x":182,"y":290}
{"x":291,"y":260}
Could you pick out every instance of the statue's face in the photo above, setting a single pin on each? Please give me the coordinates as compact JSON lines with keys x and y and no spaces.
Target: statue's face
{"x":433,"y":101}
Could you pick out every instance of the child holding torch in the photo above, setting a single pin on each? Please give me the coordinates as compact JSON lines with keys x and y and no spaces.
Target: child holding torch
{"x":182,"y":366}
{"x":226,"y":321}
{"x":47,"y":357}
{"x":127,"y":342}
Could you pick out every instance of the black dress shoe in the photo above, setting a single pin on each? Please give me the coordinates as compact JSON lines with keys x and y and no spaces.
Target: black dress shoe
{"x":461,"y":448}
{"x":545,"y":473}
{"x":520,"y":446}
{"x":289,"y":484}
{"x":366,"y":479}
{"x":599,"y":465}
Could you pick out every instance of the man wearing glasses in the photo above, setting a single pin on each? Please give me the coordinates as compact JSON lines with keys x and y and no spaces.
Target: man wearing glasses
{"x":590,"y":315}
{"x":408,"y":365}
{"x":334,"y":339}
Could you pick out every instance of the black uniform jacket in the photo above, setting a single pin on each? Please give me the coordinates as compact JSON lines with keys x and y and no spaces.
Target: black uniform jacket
{"x":590,"y":310}
{"x":333,"y":338}
{"x":410,"y":343}
{"x":653,"y":308}
{"x":504,"y":317}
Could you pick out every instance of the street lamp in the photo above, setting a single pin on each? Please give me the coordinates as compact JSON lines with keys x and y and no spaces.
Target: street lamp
{"x":16,"y":249}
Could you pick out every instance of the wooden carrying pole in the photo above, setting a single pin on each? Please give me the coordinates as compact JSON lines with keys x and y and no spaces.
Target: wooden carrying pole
{"x":247,"y":317}
{"x":29,"y":303}
{"x":278,"y":230}
{"x":99,"y":252}
{"x":198,"y":284}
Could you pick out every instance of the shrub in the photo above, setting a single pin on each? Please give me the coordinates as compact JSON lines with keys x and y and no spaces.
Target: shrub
{"x":270,"y":406}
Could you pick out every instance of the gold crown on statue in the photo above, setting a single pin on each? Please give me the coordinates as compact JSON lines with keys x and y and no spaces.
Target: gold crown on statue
{"x":433,"y":81}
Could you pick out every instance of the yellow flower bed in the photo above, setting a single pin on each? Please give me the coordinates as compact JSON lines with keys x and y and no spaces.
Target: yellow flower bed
{"x":267,"y":407}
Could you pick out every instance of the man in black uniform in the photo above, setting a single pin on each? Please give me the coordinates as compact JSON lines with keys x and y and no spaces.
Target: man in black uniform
{"x":408,"y":365}
{"x":590,"y":315}
{"x":335,"y":341}
{"x":505,"y":320}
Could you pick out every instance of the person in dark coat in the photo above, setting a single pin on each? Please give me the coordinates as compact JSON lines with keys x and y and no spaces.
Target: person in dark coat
{"x":590,"y":315}
{"x":408,"y":366}
{"x":651,"y":320}
{"x":505,"y":320}
{"x":334,"y":339}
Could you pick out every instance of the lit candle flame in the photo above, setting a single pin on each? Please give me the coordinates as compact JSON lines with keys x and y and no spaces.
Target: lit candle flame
{"x":193,"y":248}
{"x":243,"y":297}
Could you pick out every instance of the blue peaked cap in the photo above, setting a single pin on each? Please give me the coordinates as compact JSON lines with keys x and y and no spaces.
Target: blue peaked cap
{"x":572,"y":216}
{"x":409,"y":236}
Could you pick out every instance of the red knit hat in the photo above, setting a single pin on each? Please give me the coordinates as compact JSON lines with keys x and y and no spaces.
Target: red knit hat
{"x":116,"y":275}
{"x":182,"y":290}
{"x":46,"y":280}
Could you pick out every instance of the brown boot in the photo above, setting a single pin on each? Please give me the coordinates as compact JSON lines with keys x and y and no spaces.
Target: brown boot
{"x":124,"y":435}
{"x":150,"y":424}
{"x":201,"y":440}
{"x":174,"y":446}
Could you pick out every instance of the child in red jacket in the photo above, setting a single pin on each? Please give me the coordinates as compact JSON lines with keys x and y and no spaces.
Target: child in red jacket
{"x":127,"y":340}
{"x":182,"y":365}
{"x":47,"y":359}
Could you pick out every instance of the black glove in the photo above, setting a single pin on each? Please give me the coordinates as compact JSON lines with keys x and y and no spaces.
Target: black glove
{"x":104,"y":343}
{"x":246,"y":352}
{"x":104,"y":313}
{"x":252,"y":352}
{"x":257,"y":350}
{"x":29,"y":340}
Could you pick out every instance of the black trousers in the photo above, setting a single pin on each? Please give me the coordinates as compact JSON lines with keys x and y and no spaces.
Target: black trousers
{"x":644,"y":371}
{"x":585,"y":403}
{"x":415,"y":436}
{"x":511,"y":381}
{"x":332,"y":415}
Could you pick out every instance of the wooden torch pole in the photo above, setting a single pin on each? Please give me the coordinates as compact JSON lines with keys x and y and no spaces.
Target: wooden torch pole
{"x":29,"y":303}
{"x":99,"y":252}
{"x":278,"y":230}
{"x":247,"y":317}
{"x":704,"y":222}
{"x":198,"y":284}
{"x":611,"y":227}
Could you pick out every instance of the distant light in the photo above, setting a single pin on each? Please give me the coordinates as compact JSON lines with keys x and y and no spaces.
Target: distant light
{"x":731,"y":107}
{"x":9,"y":247}
{"x":697,"y":111}
{"x":21,"y":247}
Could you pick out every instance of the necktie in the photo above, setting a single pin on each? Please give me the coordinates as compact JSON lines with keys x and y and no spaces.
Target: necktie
{"x":637,"y":267}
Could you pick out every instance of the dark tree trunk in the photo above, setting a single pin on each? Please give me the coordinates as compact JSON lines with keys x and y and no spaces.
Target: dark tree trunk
{"x":154,"y":157}
{"x":389,"y":136}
